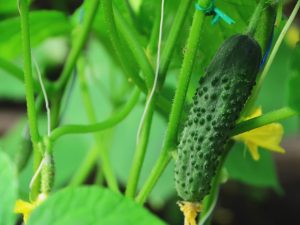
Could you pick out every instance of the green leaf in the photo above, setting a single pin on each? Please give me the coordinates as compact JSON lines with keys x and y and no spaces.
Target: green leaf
{"x":8,"y":6}
{"x":294,"y":81}
{"x":43,"y":24}
{"x":93,"y":206}
{"x":10,"y":142}
{"x":10,"y":87}
{"x":242,"y":167}
{"x":8,"y":190}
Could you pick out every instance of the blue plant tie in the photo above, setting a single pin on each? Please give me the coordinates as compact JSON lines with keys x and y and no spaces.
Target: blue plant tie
{"x":216,"y":12}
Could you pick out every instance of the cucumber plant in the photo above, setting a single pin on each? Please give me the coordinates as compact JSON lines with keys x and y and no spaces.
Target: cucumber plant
{"x":130,"y":36}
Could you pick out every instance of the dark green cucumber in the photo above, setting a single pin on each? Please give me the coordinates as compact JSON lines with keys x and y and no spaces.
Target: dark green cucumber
{"x":216,"y":106}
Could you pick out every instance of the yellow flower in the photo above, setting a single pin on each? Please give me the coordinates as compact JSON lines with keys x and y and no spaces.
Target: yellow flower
{"x":190,"y":211}
{"x":26,"y":208}
{"x":267,"y":137}
{"x":293,"y":36}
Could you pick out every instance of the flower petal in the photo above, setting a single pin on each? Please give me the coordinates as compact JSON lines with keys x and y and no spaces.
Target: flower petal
{"x":26,"y":208}
{"x":256,"y":113}
{"x":253,"y":149}
{"x":268,"y":137}
{"x":23,"y":207}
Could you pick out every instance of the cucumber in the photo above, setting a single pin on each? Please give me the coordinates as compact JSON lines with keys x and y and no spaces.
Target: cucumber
{"x":48,"y":167}
{"x":216,"y":106}
{"x":47,"y":173}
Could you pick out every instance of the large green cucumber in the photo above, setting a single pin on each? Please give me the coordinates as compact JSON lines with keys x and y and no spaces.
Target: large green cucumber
{"x":216,"y":106}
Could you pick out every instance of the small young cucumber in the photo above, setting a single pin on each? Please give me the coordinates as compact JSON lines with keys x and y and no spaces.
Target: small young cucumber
{"x":47,"y":173}
{"x":216,"y":106}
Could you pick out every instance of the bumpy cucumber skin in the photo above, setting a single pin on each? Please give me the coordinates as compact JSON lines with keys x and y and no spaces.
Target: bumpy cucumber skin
{"x":47,"y":173}
{"x":216,"y":106}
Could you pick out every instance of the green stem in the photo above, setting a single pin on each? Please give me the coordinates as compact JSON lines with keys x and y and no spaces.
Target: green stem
{"x":131,"y":37}
{"x":153,"y":40}
{"x":172,"y":38}
{"x":99,"y":179}
{"x":279,"y":13}
{"x":278,"y":43}
{"x":83,"y":30}
{"x":90,"y":12}
{"x":265,"y":27}
{"x":209,"y":203}
{"x":128,"y":13}
{"x":130,"y":72}
{"x":255,"y":19}
{"x":29,"y":90}
{"x":210,"y":200}
{"x":139,"y":155}
{"x":263,"y":120}
{"x":110,"y":122}
{"x":102,"y":152}
{"x":28,"y":78}
{"x":178,"y":104}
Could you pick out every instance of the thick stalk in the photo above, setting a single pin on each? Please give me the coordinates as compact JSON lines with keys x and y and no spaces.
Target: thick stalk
{"x":178,"y":104}
{"x":29,"y":89}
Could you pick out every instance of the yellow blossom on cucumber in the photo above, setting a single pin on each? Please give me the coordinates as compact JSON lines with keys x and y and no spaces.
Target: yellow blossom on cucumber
{"x":268,"y":137}
{"x":190,"y":211}
{"x":26,"y":208}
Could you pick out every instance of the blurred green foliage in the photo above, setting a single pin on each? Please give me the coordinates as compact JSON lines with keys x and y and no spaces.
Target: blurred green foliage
{"x":8,"y":192}
{"x":109,"y":90}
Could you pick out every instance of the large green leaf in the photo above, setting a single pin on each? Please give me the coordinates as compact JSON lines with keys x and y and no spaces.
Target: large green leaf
{"x":93,"y":206}
{"x":43,"y":24}
{"x":8,"y":190}
{"x":259,"y":173}
{"x":8,"y":6}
